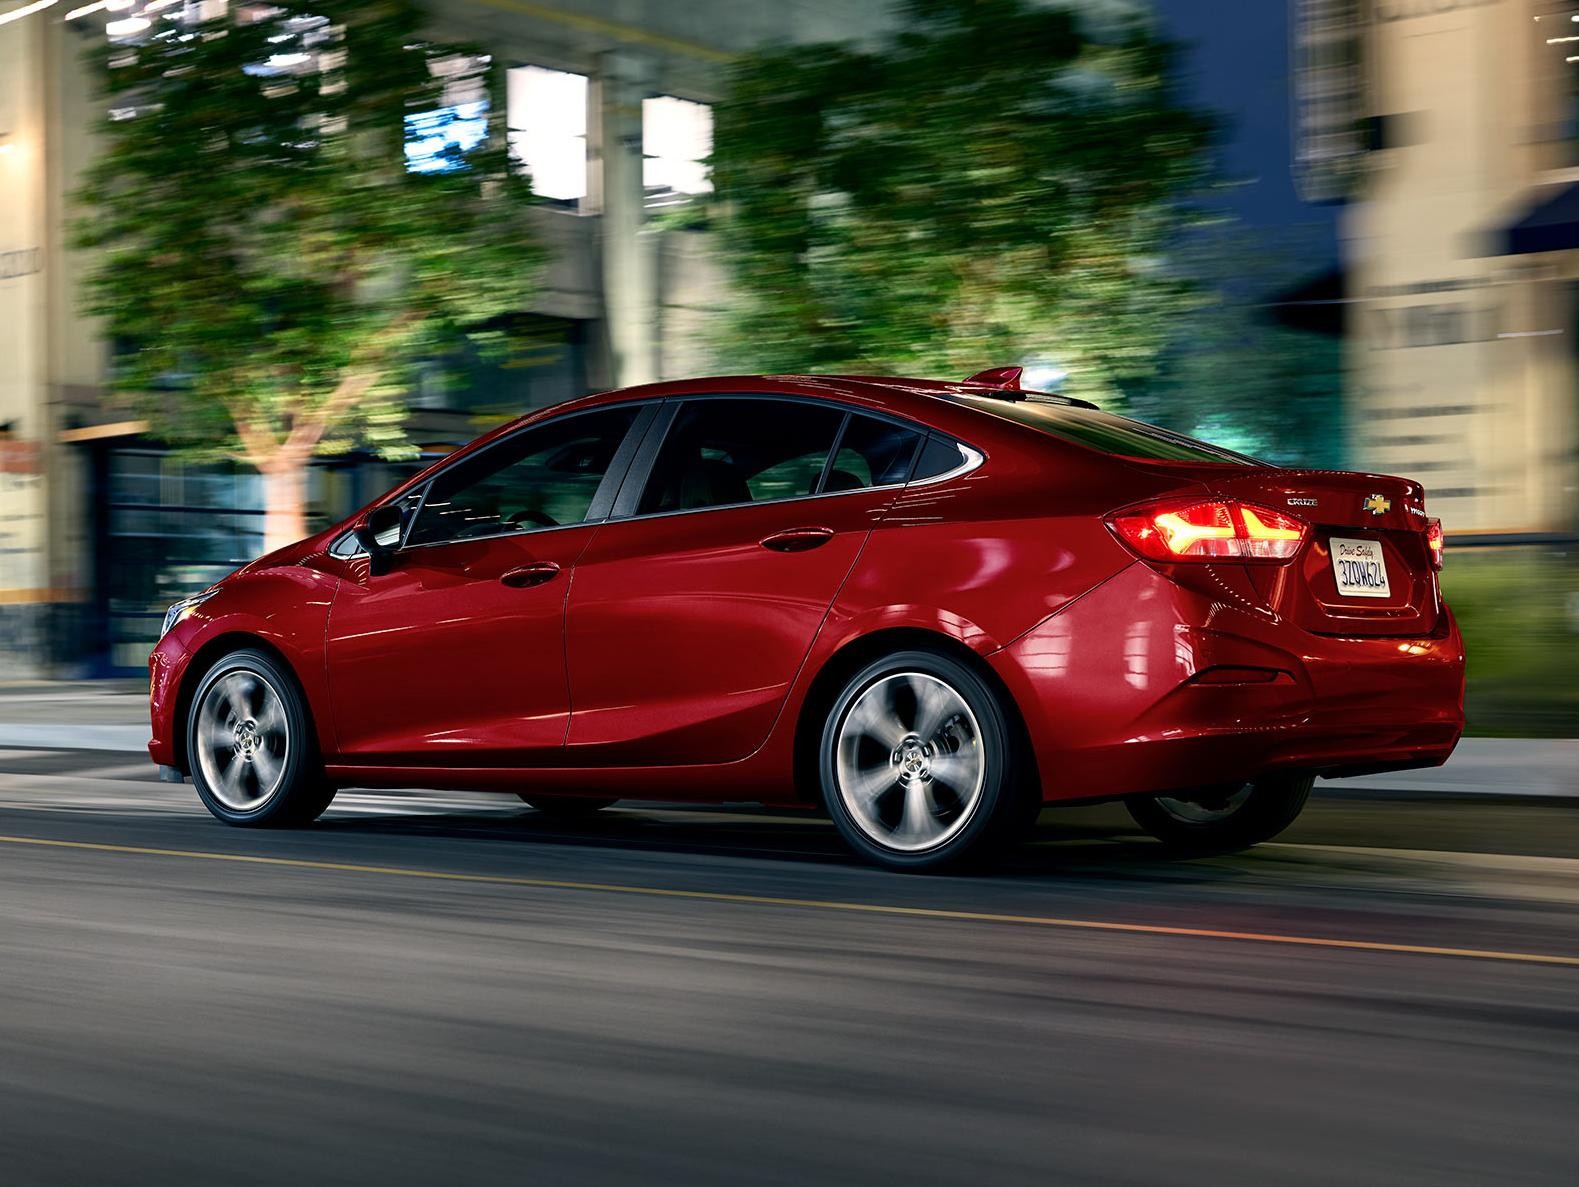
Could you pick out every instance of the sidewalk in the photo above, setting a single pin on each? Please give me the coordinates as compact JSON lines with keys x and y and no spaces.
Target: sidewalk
{"x":113,"y":715}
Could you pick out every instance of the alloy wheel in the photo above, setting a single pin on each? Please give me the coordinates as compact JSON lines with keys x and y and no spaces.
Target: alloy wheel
{"x":243,"y":740}
{"x":909,"y":762}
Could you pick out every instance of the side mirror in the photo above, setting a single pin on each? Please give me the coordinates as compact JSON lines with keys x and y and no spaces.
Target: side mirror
{"x":379,"y":536}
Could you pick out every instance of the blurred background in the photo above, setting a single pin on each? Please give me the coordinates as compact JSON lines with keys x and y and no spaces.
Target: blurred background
{"x":257,"y":261}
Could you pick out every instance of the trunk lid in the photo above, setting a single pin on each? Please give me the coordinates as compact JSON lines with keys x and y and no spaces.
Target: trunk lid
{"x":1370,"y":523}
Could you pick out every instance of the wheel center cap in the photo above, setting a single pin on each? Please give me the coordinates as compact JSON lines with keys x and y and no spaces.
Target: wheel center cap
{"x":913,"y":759}
{"x":246,"y":739}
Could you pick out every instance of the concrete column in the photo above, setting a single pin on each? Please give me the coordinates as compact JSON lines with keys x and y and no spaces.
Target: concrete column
{"x":626,"y":256}
{"x":24,"y":365}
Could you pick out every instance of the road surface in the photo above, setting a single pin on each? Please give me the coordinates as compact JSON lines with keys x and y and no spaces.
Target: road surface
{"x":452,"y":990}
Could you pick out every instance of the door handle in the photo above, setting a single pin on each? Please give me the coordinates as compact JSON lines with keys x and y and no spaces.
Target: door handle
{"x":530,"y":575}
{"x":798,"y":539}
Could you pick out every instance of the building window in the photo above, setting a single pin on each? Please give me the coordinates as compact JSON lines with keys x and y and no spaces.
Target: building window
{"x":548,"y":131}
{"x":437,"y":141}
{"x":677,"y":140}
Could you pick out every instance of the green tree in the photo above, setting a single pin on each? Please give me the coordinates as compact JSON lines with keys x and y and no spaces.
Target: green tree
{"x":267,"y":266}
{"x":996,"y":181}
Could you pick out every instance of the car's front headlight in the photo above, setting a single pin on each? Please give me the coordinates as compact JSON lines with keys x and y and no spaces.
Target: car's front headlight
{"x":181,"y":611}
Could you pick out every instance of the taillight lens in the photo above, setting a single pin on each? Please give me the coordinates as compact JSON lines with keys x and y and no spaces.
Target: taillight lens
{"x":1213,"y":530}
{"x":1435,"y":541}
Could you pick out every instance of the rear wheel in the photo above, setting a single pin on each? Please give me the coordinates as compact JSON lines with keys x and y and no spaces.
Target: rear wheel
{"x":916,"y":764}
{"x":1222,"y":819}
{"x":566,"y":807}
{"x":250,"y":747}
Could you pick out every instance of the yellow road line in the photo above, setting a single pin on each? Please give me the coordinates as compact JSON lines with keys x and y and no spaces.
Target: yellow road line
{"x":766,"y":900}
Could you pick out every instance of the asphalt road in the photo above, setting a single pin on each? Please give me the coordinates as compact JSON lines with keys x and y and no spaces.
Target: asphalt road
{"x":451,"y":990}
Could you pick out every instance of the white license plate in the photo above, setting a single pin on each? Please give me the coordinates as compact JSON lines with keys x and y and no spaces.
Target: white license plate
{"x":1359,"y":568}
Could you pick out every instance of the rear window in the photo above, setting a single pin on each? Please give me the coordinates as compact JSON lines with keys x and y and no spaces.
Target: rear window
{"x":1111,"y":434}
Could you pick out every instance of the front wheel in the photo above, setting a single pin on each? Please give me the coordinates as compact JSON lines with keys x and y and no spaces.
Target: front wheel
{"x":916,"y":764}
{"x":1223,"y":819}
{"x":250,"y":746}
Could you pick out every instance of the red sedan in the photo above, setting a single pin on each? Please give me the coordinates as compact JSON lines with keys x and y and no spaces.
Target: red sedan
{"x":928,"y":607}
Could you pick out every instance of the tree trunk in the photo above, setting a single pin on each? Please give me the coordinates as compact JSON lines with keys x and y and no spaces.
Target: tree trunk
{"x":284,"y":503}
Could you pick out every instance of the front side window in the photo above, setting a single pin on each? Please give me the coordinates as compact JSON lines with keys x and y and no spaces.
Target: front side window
{"x":543,"y":477}
{"x":720,"y":453}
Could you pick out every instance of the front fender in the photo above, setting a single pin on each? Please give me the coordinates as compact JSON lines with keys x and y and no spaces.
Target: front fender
{"x":286,"y":609}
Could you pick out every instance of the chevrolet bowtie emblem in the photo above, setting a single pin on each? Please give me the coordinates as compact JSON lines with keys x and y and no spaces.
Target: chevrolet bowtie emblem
{"x":1378,"y":504}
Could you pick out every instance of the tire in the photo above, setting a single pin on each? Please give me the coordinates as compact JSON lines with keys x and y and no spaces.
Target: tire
{"x":250,"y":745}
{"x":917,"y":765}
{"x":566,"y":807}
{"x":1224,"y":819}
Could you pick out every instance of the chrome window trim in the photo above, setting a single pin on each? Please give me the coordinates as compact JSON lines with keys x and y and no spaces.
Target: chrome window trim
{"x":973,"y":458}
{"x":830,"y":494}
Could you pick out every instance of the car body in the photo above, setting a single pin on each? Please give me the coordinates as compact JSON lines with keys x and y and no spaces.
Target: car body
{"x":686,"y":634}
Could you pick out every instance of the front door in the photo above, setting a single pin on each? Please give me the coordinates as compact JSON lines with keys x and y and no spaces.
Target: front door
{"x":691,"y":615}
{"x":456,"y":657}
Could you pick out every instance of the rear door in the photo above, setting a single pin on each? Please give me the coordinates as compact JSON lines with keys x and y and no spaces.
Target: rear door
{"x":695,"y":606}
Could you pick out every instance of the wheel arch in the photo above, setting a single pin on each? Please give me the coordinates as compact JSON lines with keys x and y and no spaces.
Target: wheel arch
{"x":854,"y":655}
{"x":204,"y":659}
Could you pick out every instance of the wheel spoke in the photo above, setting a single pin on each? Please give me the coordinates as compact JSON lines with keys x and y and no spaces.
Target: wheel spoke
{"x":868,"y":786}
{"x":917,"y":823}
{"x":934,"y":706}
{"x":875,"y":718}
{"x":266,"y":766}
{"x":957,"y":772}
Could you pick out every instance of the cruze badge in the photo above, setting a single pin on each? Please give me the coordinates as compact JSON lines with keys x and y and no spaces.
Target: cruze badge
{"x":1378,"y":504}
{"x":1301,"y":501}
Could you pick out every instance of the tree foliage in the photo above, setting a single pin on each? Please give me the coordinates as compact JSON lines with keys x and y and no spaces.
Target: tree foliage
{"x":996,"y":181}
{"x":266,"y":265}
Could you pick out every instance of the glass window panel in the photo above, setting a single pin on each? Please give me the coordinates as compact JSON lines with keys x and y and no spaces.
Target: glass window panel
{"x":731,"y":451}
{"x":542,"y":477}
{"x":872,"y":453}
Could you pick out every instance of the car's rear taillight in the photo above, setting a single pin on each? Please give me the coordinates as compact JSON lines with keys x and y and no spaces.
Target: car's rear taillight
{"x":1435,"y":541}
{"x":1211,"y":530}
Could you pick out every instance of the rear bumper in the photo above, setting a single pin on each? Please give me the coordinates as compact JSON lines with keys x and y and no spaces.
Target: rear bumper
{"x":1120,"y":693}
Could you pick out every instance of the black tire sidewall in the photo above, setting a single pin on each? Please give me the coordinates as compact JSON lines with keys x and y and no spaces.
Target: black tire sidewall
{"x":985,"y":829}
{"x":302,"y":794}
{"x":1273,"y":804}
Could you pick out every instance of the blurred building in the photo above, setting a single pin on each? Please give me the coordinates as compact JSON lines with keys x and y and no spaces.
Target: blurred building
{"x":1448,"y":128}
{"x":609,"y":107}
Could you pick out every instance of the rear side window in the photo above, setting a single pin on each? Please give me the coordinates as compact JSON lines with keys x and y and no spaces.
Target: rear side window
{"x":938,"y":456}
{"x":872,"y":453}
{"x":1117,"y":435}
{"x":720,"y":453}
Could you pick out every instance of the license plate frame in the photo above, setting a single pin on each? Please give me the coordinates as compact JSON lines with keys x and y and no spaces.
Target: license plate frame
{"x":1359,"y":568}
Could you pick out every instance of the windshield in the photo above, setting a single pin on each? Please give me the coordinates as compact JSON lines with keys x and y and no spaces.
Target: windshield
{"x":1111,"y":434}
